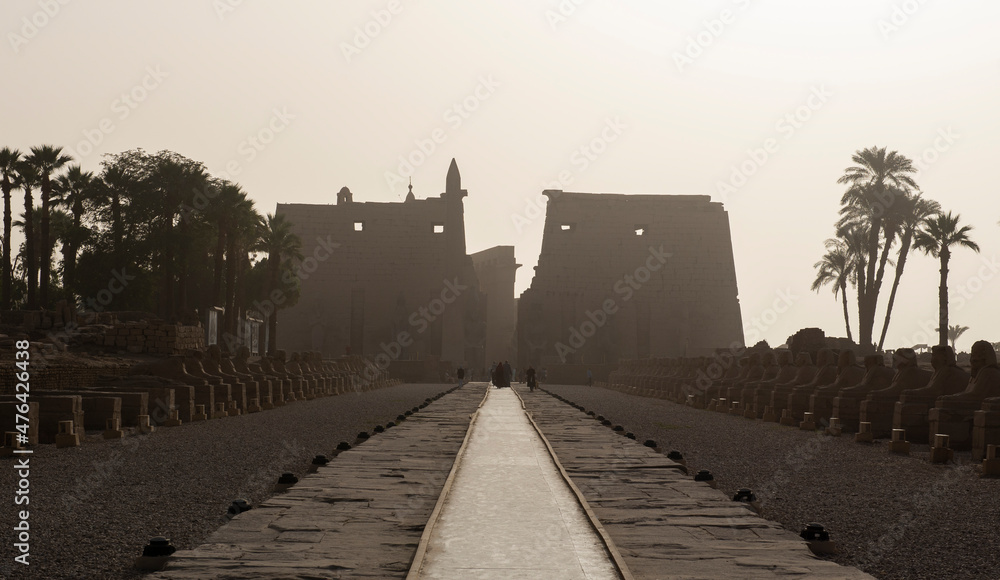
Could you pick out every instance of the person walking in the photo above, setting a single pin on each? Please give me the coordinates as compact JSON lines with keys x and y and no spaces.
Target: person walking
{"x":508,"y":373}
{"x":498,"y":376}
{"x":460,"y":373}
{"x":529,"y":376}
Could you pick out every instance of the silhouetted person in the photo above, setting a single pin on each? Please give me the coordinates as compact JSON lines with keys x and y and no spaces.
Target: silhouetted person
{"x":508,"y":373}
{"x":529,"y":376}
{"x":498,"y":376}
{"x":461,"y":376}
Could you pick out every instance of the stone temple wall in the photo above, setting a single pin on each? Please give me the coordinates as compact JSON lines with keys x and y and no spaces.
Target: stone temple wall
{"x":629,"y":276}
{"x":374,"y":270}
{"x":495,"y":269}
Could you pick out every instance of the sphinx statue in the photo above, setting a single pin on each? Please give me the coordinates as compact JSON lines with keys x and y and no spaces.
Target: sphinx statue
{"x":953,"y":414}
{"x":878,"y":406}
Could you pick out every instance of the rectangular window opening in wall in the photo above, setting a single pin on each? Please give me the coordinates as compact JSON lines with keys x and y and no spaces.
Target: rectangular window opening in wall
{"x":438,"y":228}
{"x":567,"y":227}
{"x":359,"y":226}
{"x":640,"y":230}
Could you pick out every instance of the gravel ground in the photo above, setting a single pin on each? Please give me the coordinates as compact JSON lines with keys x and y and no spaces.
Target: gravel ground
{"x":894,"y":517}
{"x":94,"y":507}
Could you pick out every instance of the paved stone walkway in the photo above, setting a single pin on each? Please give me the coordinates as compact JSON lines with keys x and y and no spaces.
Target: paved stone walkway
{"x":509,"y":514}
{"x":360,"y":516}
{"x":664,"y":524}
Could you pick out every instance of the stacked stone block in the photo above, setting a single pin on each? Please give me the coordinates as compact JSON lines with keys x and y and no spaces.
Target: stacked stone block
{"x":153,"y":337}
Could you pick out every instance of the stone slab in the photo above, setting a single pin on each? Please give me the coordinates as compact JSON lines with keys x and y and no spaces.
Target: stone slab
{"x":663,"y":523}
{"x":360,"y":516}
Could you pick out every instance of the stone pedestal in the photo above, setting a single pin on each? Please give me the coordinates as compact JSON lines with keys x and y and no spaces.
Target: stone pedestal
{"x":940,"y":450}
{"x":911,"y":415}
{"x":985,"y":431}
{"x":786,"y":418}
{"x":779,"y":403}
{"x":991,"y":464}
{"x":762,"y":402}
{"x":10,"y":444}
{"x":878,"y":412}
{"x":113,"y":429}
{"x":835,"y":429}
{"x":847,"y":409}
{"x":864,"y":434}
{"x":821,"y":405}
{"x":808,"y":422}
{"x":954,"y":421}
{"x":199,"y":413}
{"x":144,"y":425}
{"x":174,"y":420}
{"x":67,"y":437}
{"x":769,"y":415}
{"x":899,"y":444}
{"x":798,"y":403}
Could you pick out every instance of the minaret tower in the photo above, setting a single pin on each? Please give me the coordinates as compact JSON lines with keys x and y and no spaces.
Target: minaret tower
{"x":456,"y":262}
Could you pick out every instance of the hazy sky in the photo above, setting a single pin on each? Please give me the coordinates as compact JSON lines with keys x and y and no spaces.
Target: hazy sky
{"x":296,"y":99}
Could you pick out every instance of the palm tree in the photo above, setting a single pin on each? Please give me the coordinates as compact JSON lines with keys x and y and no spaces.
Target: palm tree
{"x":47,"y":160}
{"x":115,"y":183}
{"x":953,"y":333}
{"x":835,"y":268}
{"x":244,"y":231}
{"x":877,"y":180}
{"x":281,"y":245}
{"x":229,"y":201}
{"x":28,"y":179}
{"x":915,"y":210}
{"x":936,"y":238}
{"x":9,"y":160}
{"x":73,"y":189}
{"x":174,"y":179}
{"x":855,"y":238}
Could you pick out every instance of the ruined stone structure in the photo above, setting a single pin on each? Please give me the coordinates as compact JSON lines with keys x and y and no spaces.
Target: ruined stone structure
{"x":495,"y":269}
{"x":386,"y":278}
{"x":630,"y":276}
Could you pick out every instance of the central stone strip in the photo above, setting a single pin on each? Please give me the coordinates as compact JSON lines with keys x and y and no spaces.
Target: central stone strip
{"x":509,"y":513}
